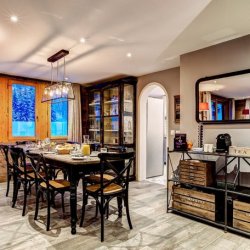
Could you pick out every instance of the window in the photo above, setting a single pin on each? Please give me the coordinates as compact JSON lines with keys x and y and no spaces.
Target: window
{"x":23,"y":110}
{"x":59,"y":119}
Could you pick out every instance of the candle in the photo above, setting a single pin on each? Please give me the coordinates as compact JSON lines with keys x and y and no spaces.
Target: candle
{"x":86,"y":149}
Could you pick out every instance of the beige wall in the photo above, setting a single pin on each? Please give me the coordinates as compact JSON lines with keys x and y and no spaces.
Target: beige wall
{"x":170,"y":79}
{"x":226,"y":57}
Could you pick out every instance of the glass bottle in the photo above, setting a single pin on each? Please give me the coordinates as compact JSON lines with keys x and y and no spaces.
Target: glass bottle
{"x":85,"y":145}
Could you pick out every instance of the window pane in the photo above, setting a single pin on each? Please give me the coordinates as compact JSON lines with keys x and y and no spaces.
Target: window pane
{"x":23,"y":110}
{"x":59,"y":119}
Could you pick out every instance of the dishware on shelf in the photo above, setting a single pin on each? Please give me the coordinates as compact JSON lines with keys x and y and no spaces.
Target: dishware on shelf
{"x":197,"y":149}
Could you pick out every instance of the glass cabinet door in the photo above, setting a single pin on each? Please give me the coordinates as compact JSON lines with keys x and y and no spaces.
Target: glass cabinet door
{"x":111,"y":115}
{"x":128,"y":114}
{"x":95,"y":116}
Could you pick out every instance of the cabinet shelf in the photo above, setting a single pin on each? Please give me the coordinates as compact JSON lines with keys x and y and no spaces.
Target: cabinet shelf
{"x":95,"y":104}
{"x":111,"y":130}
{"x":219,"y":224}
{"x":111,"y":102}
{"x":111,"y":116}
{"x":94,"y":116}
{"x":94,"y":129}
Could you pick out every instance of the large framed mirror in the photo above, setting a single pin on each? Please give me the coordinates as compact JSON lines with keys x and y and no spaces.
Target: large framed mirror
{"x":223,"y":98}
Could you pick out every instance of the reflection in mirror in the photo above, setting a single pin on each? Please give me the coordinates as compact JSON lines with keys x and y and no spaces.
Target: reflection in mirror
{"x":224,"y":98}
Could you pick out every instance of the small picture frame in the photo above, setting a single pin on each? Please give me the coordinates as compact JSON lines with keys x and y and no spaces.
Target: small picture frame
{"x":177,"y":108}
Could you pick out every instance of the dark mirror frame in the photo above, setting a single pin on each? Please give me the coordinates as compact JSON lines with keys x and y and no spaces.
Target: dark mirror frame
{"x":241,"y":72}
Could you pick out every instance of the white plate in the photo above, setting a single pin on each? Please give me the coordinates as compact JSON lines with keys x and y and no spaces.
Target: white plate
{"x":49,"y":153}
{"x":78,"y":157}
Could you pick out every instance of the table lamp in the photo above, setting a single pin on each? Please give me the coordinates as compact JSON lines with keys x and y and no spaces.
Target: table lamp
{"x":203,"y":106}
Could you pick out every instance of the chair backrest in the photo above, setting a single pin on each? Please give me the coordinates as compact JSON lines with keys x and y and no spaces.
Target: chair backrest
{"x":19,"y":160}
{"x":120,"y":164}
{"x":5,"y":150}
{"x":39,"y":166}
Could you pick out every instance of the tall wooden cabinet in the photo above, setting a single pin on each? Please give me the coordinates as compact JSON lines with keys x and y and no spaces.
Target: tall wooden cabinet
{"x":109,"y":113}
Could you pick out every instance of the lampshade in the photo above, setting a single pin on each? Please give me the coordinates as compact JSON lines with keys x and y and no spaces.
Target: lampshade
{"x":61,"y":90}
{"x":58,"y":92}
{"x":245,"y":112}
{"x":203,"y":106}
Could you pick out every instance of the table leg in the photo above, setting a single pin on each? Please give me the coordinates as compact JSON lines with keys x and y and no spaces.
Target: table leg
{"x":73,"y":200}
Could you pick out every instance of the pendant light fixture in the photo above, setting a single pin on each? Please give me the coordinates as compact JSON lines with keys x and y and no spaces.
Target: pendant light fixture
{"x":58,"y":91}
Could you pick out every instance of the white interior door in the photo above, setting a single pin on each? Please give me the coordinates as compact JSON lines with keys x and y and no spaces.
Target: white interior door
{"x":155,"y":137}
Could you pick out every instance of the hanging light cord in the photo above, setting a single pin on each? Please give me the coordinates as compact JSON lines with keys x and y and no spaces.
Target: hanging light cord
{"x":64,"y":69}
{"x":51,"y":75}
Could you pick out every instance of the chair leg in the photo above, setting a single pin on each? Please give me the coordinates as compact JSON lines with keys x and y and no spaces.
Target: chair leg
{"x":107,"y":210}
{"x":15,"y":192}
{"x":84,"y":203}
{"x":8,"y":184}
{"x":96,"y":209}
{"x":52,"y":196}
{"x":48,"y":210}
{"x":25,"y":191}
{"x":119,"y":205}
{"x":102,"y":211}
{"x":127,"y":211}
{"x":37,"y":204}
{"x":63,"y":208}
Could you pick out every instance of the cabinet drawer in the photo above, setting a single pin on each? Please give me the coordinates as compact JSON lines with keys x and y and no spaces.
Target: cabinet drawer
{"x":194,"y":202}
{"x":241,"y":215}
{"x":197,"y":172}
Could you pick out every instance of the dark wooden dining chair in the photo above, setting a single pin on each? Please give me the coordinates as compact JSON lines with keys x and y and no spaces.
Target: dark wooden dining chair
{"x":22,"y":175}
{"x":46,"y":184}
{"x":118,"y":186}
{"x":9,"y":168}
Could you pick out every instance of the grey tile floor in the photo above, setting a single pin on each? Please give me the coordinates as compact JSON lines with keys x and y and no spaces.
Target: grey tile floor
{"x":153,"y":227}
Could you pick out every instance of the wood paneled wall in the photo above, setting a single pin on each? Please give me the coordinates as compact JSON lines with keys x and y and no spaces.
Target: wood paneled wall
{"x":42,"y":109}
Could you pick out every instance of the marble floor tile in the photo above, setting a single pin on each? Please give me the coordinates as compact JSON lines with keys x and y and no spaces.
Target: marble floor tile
{"x":153,"y":228}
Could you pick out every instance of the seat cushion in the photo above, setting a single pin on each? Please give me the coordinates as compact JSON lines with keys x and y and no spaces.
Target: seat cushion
{"x":110,"y":189}
{"x":57,"y":184}
{"x":33,"y":176}
{"x":96,"y":178}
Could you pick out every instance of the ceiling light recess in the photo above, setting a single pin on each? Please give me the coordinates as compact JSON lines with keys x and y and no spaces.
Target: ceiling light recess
{"x":14,"y":19}
{"x":82,"y":40}
{"x":129,"y":55}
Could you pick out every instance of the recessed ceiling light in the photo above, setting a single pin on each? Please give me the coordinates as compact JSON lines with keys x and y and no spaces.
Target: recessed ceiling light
{"x":129,"y":55}
{"x":14,"y":19}
{"x":82,"y":40}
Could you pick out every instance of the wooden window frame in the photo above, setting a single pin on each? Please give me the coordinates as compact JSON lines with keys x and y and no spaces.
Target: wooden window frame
{"x":19,"y":138}
{"x":62,"y":138}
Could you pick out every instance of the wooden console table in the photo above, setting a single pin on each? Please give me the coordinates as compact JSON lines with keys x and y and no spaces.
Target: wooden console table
{"x":224,"y":192}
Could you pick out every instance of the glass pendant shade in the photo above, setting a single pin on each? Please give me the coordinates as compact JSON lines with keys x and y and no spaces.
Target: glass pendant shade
{"x":60,"y":91}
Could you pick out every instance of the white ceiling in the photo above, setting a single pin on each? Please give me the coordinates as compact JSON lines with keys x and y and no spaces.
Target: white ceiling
{"x":236,"y":87}
{"x":155,"y":32}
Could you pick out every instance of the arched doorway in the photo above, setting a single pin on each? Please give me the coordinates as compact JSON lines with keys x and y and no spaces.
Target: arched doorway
{"x":152,"y":90}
